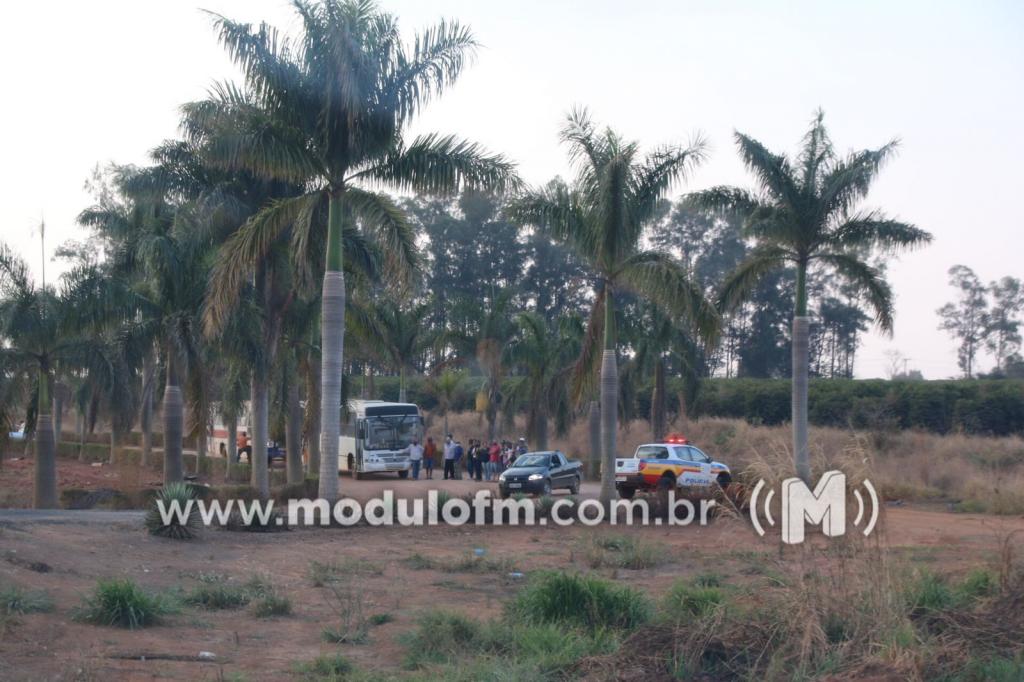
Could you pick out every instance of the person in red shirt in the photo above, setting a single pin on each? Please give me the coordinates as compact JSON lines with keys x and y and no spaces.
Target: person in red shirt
{"x":429,"y":454}
{"x":495,"y":460}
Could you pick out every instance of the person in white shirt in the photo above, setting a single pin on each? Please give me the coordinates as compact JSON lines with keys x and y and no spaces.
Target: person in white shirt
{"x":415,"y":457}
{"x":449,"y":457}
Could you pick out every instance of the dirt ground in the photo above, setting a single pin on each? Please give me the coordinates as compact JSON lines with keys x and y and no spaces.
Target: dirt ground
{"x":67,"y":556}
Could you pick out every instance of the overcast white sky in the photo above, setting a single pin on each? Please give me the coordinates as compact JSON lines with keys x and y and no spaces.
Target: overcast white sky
{"x":94,"y":82}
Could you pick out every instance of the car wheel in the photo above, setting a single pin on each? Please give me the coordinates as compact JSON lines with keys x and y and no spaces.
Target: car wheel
{"x":574,"y":489}
{"x":666,"y":483}
{"x":546,"y":490}
{"x":403,"y":474}
{"x":503,"y":494}
{"x":724,"y":480}
{"x":627,"y":493}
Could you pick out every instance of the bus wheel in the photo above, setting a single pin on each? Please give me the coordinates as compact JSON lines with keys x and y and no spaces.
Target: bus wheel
{"x":403,"y":474}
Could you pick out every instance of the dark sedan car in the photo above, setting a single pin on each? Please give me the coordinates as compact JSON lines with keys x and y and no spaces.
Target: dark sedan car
{"x":539,"y":473}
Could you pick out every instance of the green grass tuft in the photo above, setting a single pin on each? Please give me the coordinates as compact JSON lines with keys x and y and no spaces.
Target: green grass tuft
{"x":325,"y":667}
{"x":122,"y":603}
{"x":578,"y":600}
{"x":15,"y":601}
{"x":272,"y":604}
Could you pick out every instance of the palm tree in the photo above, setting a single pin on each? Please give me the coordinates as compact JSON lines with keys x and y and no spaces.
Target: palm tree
{"x":153,"y":285}
{"x":446,"y":389}
{"x":396,"y":336}
{"x":38,"y":331}
{"x":545,"y":357}
{"x":602,"y":217}
{"x":327,"y":111}
{"x":657,"y":342}
{"x":482,"y":340}
{"x":804,"y":213}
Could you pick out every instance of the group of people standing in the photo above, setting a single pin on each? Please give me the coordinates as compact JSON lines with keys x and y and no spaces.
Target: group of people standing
{"x":482,"y":461}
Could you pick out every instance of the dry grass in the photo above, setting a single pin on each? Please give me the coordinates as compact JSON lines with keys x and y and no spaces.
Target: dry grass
{"x":971,"y":473}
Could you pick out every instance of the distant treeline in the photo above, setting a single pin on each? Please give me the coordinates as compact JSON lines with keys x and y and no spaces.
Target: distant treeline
{"x":981,"y":406}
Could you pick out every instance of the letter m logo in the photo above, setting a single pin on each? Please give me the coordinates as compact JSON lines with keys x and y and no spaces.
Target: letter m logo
{"x":825,"y":506}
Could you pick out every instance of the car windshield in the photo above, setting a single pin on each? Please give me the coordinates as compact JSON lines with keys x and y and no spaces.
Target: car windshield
{"x":533,"y":460}
{"x":392,"y":432}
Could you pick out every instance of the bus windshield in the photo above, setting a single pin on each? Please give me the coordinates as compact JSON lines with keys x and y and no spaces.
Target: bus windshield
{"x":391,"y":432}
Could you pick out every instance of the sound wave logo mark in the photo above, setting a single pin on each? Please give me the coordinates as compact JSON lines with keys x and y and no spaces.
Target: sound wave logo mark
{"x":825,"y":506}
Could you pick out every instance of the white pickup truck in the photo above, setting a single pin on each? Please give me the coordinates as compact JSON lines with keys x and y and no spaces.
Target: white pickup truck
{"x":666,"y":465}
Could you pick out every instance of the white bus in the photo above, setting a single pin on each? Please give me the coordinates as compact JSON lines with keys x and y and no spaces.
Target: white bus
{"x":376,"y":435}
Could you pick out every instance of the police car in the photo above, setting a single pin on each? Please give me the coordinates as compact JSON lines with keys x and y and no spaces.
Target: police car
{"x":663,"y":466}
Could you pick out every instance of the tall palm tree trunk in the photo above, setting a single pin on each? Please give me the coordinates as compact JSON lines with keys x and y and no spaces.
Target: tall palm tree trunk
{"x":333,"y":350}
{"x":658,"y":400}
{"x":541,"y":430}
{"x":80,"y":432}
{"x":594,"y":427}
{"x":313,"y":389}
{"x":115,"y":440}
{"x":201,"y":448}
{"x":609,"y":401}
{"x":401,"y":385}
{"x":58,"y":412}
{"x":174,"y":419}
{"x":800,"y":359}
{"x":232,"y":448}
{"x":45,"y":491}
{"x":293,"y":435}
{"x":146,"y":413}
{"x":260,"y":475}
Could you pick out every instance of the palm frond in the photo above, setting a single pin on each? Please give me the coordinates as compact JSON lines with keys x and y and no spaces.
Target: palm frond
{"x":741,"y":281}
{"x":442,"y":165}
{"x":659,"y":278}
{"x":867,"y":280}
{"x":874,"y":230}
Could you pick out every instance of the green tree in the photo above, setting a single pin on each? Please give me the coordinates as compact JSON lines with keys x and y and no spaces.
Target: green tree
{"x":327,"y":110}
{"x":1003,"y":337}
{"x":544,"y":357}
{"x":967,"y":319}
{"x":602,"y":217}
{"x":39,"y":330}
{"x":804,"y":214}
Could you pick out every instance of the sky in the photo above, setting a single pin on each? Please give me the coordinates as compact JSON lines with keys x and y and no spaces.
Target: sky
{"x":100,"y":82}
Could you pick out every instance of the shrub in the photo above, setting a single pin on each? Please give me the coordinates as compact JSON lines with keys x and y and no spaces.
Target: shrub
{"x":690,"y":601}
{"x":335,"y":666}
{"x":272,"y":604}
{"x":584,"y":601}
{"x":506,"y":650}
{"x":174,"y":496}
{"x":218,"y":595}
{"x":381,"y":619}
{"x":121,"y":603}
{"x":622,"y":551}
{"x":15,"y":601}
{"x":927,"y":592}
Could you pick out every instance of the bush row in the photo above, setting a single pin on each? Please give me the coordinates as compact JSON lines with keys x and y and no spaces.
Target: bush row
{"x":984,"y":407}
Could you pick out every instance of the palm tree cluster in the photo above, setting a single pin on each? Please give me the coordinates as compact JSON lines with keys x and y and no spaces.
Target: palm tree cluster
{"x":254,"y":251}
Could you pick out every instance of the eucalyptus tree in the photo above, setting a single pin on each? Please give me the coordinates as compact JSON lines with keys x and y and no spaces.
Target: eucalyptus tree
{"x":603,"y":217}
{"x":804,"y":213}
{"x":328,"y":110}
{"x":38,"y":332}
{"x":544,"y":358}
